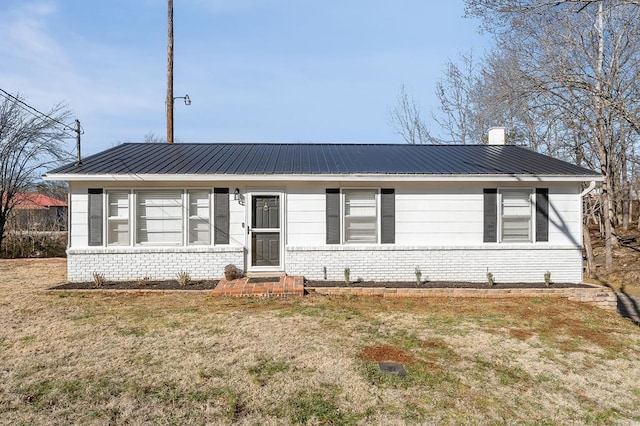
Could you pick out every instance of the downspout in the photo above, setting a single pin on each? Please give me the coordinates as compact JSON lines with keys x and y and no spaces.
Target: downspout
{"x":588,"y":189}
{"x":591,"y":268}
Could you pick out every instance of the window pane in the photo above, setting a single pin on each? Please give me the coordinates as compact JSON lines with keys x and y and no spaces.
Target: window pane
{"x":360,"y":216}
{"x":118,"y":218}
{"x":516,"y":203}
{"x":515,"y":229}
{"x":159,"y":217}
{"x":516,"y":215}
{"x":360,"y":203}
{"x":360,"y":229}
{"x":199,"y":213}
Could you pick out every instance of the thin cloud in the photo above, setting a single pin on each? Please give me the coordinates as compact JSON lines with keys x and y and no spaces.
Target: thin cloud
{"x":27,"y":34}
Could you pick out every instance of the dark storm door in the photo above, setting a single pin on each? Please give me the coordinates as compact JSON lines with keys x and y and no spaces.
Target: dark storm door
{"x":265,"y":232}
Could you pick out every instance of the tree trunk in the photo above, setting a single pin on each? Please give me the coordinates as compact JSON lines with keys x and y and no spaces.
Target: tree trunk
{"x":591,"y":263}
{"x":625,"y":209}
{"x":604,"y":151}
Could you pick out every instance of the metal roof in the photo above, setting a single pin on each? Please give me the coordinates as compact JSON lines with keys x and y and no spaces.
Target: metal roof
{"x":319,"y":159}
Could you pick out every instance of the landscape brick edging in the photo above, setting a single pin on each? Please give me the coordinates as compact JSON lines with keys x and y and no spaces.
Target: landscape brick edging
{"x":601,"y":297}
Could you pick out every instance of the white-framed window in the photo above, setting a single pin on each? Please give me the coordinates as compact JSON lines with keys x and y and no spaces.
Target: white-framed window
{"x":159,"y":217}
{"x":360,"y":216}
{"x":199,"y":217}
{"x":516,"y":215}
{"x":118,"y":218}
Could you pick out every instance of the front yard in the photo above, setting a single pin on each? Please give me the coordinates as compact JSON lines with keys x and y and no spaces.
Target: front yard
{"x":98,"y":358}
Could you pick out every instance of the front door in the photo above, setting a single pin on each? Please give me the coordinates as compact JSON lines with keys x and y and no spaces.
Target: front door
{"x":264,"y":235}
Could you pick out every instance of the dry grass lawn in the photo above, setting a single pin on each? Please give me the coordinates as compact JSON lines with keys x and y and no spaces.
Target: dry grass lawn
{"x":115,"y":358}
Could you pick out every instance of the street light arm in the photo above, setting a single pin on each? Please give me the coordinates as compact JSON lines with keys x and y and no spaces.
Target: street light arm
{"x":187,"y":99}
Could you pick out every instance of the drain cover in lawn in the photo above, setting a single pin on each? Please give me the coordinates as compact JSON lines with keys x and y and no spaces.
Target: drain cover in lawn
{"x":392,"y":367}
{"x":264,"y":280}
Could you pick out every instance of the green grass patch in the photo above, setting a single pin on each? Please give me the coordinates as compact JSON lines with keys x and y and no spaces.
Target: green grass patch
{"x":130,"y":331}
{"x":319,"y":406}
{"x":266,"y":368}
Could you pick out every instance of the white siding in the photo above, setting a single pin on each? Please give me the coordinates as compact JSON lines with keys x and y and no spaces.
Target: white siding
{"x":79,"y":215}
{"x":438,"y":216}
{"x":565,"y":222}
{"x":237,"y":232}
{"x":438,"y":228}
{"x":306,"y":220}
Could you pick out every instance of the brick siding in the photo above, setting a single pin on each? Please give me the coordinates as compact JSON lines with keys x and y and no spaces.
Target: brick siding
{"x":507,"y":263}
{"x":155,"y":263}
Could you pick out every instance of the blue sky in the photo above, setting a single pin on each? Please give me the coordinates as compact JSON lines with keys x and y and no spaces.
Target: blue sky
{"x":256,"y":70}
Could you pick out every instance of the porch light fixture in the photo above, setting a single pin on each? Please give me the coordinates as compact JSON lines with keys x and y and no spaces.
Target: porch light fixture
{"x":236,"y":194}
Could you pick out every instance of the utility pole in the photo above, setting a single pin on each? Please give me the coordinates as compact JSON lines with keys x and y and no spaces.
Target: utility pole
{"x":78,"y":133}
{"x":170,"y":75}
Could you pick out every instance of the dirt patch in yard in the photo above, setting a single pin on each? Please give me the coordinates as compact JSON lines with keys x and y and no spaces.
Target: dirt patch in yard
{"x":437,"y":284}
{"x":384,"y":353}
{"x":139,"y":285}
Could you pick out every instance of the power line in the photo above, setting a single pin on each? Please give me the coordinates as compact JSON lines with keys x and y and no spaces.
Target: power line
{"x":35,"y":111}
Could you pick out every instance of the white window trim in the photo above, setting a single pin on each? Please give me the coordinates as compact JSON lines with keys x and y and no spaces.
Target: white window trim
{"x":342,"y":214}
{"x":532,"y":215}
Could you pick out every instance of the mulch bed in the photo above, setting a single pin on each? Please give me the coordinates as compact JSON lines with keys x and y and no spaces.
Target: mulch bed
{"x":438,"y":284}
{"x":137,"y":285}
{"x":210,"y":285}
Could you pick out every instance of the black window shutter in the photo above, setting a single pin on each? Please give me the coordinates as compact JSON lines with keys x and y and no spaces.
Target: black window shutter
{"x":490,"y":215}
{"x":388,"y":213}
{"x":542,"y":214}
{"x":221,"y":215}
{"x":95,"y":217}
{"x":333,"y":215}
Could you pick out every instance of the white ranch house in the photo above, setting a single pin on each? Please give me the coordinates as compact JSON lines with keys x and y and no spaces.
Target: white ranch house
{"x":455,"y":212}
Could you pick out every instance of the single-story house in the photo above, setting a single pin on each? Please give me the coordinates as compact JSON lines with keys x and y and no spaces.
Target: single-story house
{"x":37,"y":212}
{"x":382,"y":210}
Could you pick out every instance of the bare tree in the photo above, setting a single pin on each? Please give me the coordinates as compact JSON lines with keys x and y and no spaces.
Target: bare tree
{"x":406,"y":121}
{"x":29,"y":144}
{"x":457,"y":117}
{"x":151,"y":137}
{"x":575,"y":68}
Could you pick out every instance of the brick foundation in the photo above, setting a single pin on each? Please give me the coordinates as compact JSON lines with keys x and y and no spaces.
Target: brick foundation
{"x":507,"y":262}
{"x":131,"y":263}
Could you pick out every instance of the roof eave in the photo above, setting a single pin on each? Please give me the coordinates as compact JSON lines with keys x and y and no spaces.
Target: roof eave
{"x":361,"y":177}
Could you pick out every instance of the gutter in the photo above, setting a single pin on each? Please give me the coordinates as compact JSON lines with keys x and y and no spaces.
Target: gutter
{"x":361,"y":177}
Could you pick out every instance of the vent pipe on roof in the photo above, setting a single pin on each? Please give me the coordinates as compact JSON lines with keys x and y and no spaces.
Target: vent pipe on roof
{"x":496,"y":136}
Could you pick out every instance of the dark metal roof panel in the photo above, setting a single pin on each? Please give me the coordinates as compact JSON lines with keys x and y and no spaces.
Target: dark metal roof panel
{"x":284,"y":159}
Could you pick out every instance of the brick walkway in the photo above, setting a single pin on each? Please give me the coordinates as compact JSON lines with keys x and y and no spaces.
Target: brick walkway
{"x":287,"y":286}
